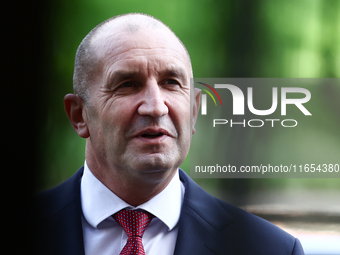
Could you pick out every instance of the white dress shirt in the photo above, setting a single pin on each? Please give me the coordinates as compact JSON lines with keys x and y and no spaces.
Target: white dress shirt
{"x":103,"y":235}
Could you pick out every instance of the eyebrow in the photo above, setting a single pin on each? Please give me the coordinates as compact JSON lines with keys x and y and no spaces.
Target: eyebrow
{"x":178,"y":72}
{"x":120,"y":75}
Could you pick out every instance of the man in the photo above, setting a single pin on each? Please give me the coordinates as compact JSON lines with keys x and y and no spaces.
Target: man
{"x":132,"y":104}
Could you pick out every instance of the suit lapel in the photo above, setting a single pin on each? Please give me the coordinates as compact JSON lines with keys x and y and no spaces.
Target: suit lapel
{"x":195,"y":236}
{"x":202,"y":218}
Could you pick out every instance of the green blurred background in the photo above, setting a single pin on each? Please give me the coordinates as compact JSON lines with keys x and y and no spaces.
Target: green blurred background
{"x":262,"y":38}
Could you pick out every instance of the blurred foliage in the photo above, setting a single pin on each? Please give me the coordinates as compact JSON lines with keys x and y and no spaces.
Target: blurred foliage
{"x":262,"y":38}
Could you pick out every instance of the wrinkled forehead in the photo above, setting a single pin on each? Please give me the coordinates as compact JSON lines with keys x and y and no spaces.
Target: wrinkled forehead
{"x":116,"y":38}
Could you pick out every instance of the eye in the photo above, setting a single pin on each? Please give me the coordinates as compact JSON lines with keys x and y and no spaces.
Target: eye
{"x":172,"y":82}
{"x":127,"y":84}
{"x":127,"y":87}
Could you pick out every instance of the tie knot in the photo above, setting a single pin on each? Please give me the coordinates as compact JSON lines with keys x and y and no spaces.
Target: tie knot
{"x":134,"y":223}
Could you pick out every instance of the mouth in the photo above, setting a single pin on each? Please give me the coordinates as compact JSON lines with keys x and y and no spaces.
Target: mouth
{"x":153,"y":133}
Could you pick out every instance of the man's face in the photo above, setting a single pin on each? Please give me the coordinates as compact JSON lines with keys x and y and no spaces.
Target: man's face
{"x":139,"y":110}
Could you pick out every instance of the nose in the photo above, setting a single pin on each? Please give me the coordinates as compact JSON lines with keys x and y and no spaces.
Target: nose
{"x":152,"y":101}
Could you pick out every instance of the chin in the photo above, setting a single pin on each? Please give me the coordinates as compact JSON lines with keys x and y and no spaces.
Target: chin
{"x":155,"y":163}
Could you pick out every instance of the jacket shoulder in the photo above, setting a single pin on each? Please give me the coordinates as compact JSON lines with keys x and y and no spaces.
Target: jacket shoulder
{"x":242,"y":232}
{"x":58,"y":219}
{"x":260,"y":235}
{"x":51,"y":202}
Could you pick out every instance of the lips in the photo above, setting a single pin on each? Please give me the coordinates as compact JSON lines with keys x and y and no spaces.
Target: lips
{"x":153,"y":133}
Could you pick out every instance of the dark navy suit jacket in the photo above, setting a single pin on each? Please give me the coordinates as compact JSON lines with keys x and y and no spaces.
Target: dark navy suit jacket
{"x":207,"y":225}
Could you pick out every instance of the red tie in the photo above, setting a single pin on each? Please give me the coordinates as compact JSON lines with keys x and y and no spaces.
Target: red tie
{"x":134,"y":224}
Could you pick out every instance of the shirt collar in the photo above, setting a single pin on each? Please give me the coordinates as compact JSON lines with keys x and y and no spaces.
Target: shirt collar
{"x":99,"y":203}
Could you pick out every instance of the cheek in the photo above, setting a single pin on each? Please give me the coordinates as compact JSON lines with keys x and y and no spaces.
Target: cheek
{"x":118,"y":118}
{"x":180,"y":115}
{"x":114,"y":122}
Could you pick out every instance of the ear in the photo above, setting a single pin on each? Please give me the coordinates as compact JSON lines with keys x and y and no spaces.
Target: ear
{"x":196,"y":106}
{"x":76,"y":112}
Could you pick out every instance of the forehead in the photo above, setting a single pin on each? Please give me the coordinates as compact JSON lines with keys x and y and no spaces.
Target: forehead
{"x":114,"y":46}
